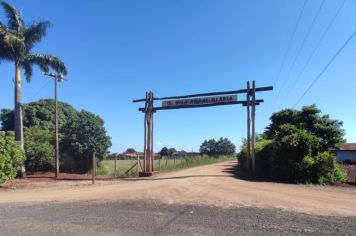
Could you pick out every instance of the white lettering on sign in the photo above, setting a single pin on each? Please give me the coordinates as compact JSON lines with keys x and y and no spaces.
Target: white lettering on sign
{"x":200,"y":101}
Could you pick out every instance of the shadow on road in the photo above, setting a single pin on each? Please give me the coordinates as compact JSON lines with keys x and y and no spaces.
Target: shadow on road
{"x":237,"y":172}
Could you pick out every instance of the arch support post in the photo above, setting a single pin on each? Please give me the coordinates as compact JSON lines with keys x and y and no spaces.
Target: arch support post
{"x":148,"y":160}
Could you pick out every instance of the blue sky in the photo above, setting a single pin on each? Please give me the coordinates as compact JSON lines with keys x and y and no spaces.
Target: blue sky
{"x":115,"y":51}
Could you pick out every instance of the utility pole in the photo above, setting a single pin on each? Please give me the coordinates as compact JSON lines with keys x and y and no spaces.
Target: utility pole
{"x":57,"y":78}
{"x":253,"y":115}
{"x":248,"y":126}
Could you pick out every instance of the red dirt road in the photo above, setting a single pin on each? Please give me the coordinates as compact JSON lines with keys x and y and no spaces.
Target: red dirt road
{"x":204,"y":185}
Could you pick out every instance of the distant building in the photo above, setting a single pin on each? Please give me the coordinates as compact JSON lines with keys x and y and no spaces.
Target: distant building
{"x":346,"y":153}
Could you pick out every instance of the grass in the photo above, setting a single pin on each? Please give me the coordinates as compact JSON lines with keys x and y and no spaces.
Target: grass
{"x":107,"y":167}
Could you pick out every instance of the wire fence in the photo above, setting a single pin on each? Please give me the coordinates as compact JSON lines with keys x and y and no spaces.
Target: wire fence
{"x":131,"y":167}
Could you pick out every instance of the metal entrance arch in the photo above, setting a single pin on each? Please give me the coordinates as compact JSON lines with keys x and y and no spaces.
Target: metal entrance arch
{"x":197,"y":101}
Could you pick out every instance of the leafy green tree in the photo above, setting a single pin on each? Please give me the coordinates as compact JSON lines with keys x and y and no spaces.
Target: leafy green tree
{"x":164,"y":152}
{"x":225,"y":147}
{"x":11,"y":156}
{"x":90,"y":136}
{"x":17,"y":41}
{"x":222,"y":146}
{"x":208,"y":147}
{"x":171,"y":151}
{"x":80,"y":133}
{"x":167,"y":152}
{"x":39,"y":149}
{"x":130,"y":150}
{"x":328,"y":131}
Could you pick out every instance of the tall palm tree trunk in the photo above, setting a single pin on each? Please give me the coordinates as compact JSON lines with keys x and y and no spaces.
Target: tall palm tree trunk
{"x":18,"y":111}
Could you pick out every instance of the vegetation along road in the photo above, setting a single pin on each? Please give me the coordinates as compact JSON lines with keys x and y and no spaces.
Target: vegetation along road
{"x":201,"y":200}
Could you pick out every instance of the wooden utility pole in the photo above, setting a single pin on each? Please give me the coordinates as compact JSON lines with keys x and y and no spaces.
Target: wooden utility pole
{"x":56,"y":124}
{"x":148,"y":160}
{"x":94,"y":169}
{"x":57,"y":78}
{"x":253,"y":115}
{"x":248,"y":126}
{"x":152,"y":129}
{"x":145,"y":134}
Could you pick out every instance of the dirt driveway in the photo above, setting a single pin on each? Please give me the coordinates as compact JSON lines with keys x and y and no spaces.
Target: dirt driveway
{"x":205,"y":185}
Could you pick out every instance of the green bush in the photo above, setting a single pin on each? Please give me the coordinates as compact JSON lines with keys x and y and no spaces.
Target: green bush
{"x":39,"y":150}
{"x":103,"y":169}
{"x":264,"y":148}
{"x":294,"y":158}
{"x":262,"y":160}
{"x":295,"y":148}
{"x":11,"y":156}
{"x":289,"y":148}
{"x":322,"y":169}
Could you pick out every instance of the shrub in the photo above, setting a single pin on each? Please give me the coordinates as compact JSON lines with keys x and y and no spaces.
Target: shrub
{"x":289,"y":148}
{"x":39,"y":150}
{"x":264,"y":149}
{"x":322,"y":169}
{"x":11,"y":156}
{"x":296,"y":149}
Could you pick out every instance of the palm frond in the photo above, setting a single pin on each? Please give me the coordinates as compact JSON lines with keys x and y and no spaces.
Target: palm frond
{"x":14,"y":17}
{"x":27,"y":67}
{"x":35,"y":32}
{"x":11,"y":44}
{"x":45,"y":62}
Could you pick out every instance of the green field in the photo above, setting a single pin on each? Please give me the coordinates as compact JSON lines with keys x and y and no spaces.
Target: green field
{"x":107,"y":167}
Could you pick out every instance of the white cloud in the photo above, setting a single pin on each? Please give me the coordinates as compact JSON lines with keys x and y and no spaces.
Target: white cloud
{"x":158,"y":143}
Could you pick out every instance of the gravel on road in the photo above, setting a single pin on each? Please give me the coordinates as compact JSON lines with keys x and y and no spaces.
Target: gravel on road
{"x":156,"y":218}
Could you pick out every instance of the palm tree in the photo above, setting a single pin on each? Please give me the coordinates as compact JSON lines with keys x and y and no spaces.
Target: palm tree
{"x":16,"y":43}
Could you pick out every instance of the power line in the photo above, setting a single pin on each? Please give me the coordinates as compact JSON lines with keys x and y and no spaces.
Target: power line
{"x":290,"y":42}
{"x":301,"y":46}
{"x":40,"y":90}
{"x":316,"y":47}
{"x":325,"y":68}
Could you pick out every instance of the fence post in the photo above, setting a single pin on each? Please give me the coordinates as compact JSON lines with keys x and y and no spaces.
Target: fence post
{"x":174,"y":161}
{"x":94,"y":169}
{"x":115,"y":169}
{"x":159,"y":163}
{"x":138,"y":164}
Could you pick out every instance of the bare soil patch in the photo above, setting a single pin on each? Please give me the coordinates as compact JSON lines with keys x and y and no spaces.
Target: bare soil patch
{"x":47,"y":179}
{"x":212,"y":185}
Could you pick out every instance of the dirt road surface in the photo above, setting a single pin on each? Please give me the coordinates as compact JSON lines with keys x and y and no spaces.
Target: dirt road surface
{"x":211,"y":185}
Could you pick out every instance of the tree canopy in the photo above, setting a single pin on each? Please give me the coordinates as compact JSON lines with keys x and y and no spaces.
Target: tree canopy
{"x":19,"y":39}
{"x":213,"y":147}
{"x":165,"y":151}
{"x":329,"y":132}
{"x":130,"y":150}
{"x":16,"y":43}
{"x":80,"y":132}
